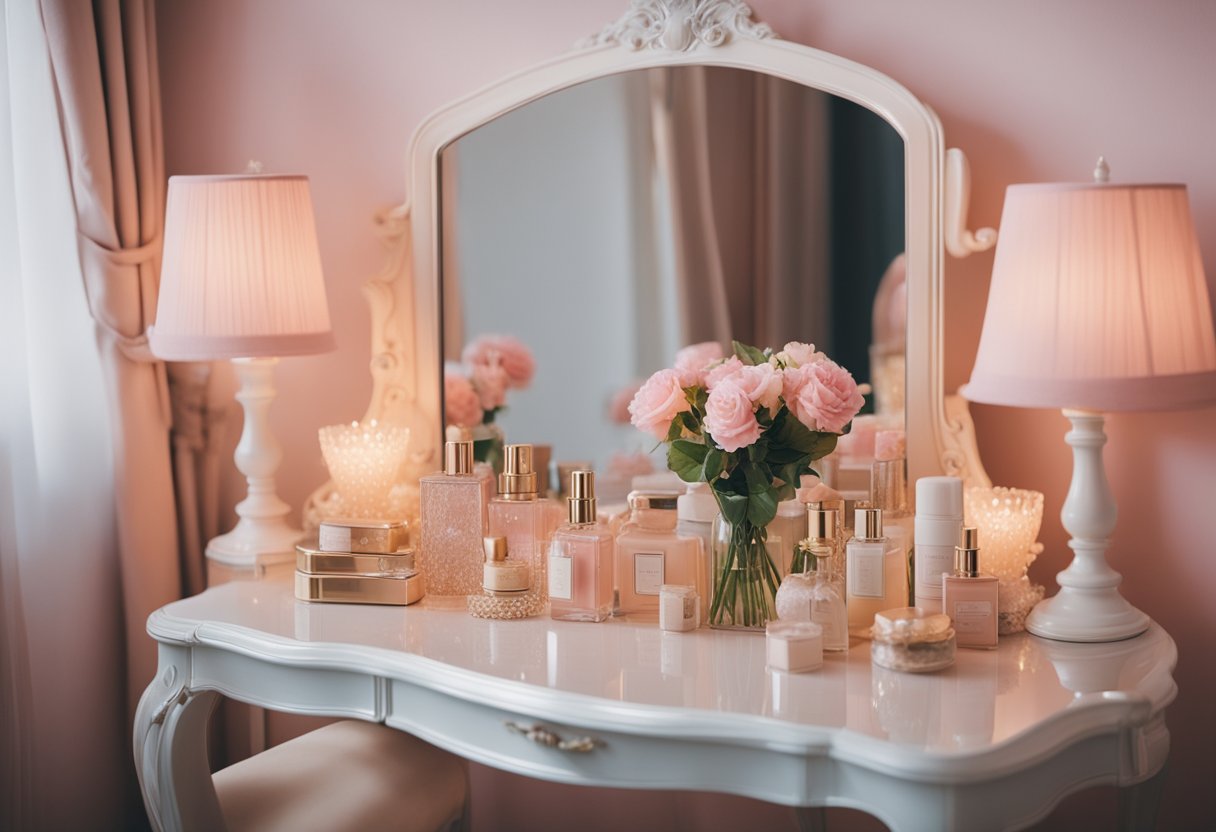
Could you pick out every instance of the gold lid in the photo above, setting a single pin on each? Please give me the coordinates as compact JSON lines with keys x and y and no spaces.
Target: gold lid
{"x":457,"y":452}
{"x":658,"y":500}
{"x":867,"y":523}
{"x":581,"y":502}
{"x":495,"y":548}
{"x":518,"y":479}
{"x":967,"y":553}
{"x":821,"y":520}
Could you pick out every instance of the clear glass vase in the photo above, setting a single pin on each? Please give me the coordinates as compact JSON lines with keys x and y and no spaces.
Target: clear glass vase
{"x":744,"y":577}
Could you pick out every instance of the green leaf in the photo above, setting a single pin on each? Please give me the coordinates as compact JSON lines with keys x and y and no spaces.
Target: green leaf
{"x":675,"y":431}
{"x":733,"y":505}
{"x":761,"y":496}
{"x":700,"y":397}
{"x":690,"y":421}
{"x":715,"y":461}
{"x":786,"y":492}
{"x":748,"y":355}
{"x":791,"y":473}
{"x":686,"y":459}
{"x":758,"y":450}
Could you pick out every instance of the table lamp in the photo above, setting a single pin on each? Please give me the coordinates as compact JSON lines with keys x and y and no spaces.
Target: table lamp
{"x":241,"y":279}
{"x":1098,"y":303}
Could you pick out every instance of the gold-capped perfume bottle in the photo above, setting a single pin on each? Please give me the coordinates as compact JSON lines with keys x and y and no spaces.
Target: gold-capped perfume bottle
{"x":649,"y":553}
{"x":878,"y":571}
{"x":452,"y":524}
{"x":580,"y":558}
{"x":520,"y":515}
{"x":969,"y":597}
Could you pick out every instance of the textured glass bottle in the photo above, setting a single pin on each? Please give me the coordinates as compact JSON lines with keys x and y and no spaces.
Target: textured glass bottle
{"x":580,"y":558}
{"x":813,"y":596}
{"x":519,"y":515}
{"x":649,"y":553}
{"x":453,"y":512}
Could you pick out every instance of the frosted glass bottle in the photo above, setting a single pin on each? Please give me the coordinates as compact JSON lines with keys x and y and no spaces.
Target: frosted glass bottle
{"x":580,"y":558}
{"x":878,"y":571}
{"x":519,"y":515}
{"x":453,"y":511}
{"x":649,"y":553}
{"x":813,"y":596}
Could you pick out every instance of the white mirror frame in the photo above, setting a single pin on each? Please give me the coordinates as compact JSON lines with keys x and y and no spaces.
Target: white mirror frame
{"x":405,"y":296}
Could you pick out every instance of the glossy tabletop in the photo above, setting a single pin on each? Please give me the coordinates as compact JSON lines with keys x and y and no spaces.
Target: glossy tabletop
{"x":633,"y":670}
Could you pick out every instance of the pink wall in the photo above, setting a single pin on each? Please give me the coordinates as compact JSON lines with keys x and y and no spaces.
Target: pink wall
{"x":1033,"y":91}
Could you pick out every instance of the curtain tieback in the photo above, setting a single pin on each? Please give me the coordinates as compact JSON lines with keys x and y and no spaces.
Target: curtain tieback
{"x":123,"y":256}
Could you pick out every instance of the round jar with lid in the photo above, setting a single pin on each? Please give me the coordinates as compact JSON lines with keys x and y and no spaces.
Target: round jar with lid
{"x":912,"y":640}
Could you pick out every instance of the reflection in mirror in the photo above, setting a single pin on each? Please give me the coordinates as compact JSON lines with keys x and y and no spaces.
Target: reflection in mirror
{"x":611,"y":223}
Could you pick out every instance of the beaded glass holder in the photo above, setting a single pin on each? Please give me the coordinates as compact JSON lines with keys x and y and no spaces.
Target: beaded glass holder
{"x":1009,"y":521}
{"x":506,"y":607}
{"x":363,"y":460}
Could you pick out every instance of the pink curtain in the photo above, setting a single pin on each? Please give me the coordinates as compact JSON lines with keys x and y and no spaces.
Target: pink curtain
{"x":103,"y":56}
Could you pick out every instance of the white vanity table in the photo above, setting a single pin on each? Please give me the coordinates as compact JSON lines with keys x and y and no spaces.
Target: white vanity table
{"x":991,"y":743}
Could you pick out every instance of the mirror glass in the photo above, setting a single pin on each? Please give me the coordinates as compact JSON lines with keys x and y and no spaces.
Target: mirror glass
{"x":611,"y":223}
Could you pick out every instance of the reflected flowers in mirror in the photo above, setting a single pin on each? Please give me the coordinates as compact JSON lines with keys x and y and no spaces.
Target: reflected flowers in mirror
{"x":475,"y":390}
{"x":749,"y":424}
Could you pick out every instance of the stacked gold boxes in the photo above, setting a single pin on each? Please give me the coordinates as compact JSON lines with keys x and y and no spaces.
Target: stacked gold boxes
{"x":358,"y":562}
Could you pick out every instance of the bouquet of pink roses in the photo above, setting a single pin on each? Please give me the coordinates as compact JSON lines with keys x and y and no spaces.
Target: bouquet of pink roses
{"x":475,"y":390}
{"x":750,"y":425}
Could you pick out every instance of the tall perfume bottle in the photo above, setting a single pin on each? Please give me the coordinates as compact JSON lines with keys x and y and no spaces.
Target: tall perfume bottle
{"x":889,"y":490}
{"x":453,"y":511}
{"x":939,"y":520}
{"x":812,"y":595}
{"x":580,"y":558}
{"x":824,"y":529}
{"x":878,"y":571}
{"x":519,"y":515}
{"x":649,"y":553}
{"x":969,"y":597}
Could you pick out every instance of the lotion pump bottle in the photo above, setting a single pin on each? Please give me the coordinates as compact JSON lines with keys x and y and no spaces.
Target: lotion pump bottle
{"x":939,"y":521}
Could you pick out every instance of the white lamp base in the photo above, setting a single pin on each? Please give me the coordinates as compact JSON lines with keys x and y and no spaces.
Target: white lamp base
{"x":1088,"y":606}
{"x":262,"y":535}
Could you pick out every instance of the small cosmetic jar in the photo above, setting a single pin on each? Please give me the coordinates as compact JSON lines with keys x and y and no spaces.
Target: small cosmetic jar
{"x":794,"y":646}
{"x":679,"y":608}
{"x":369,"y":537}
{"x":912,"y":640}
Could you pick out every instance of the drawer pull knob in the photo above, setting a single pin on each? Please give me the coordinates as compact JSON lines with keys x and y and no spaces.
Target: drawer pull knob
{"x":545,"y":737}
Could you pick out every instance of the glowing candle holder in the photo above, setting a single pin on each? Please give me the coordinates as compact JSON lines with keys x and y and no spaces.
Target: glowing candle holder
{"x":363,"y":460}
{"x":1009,"y":520}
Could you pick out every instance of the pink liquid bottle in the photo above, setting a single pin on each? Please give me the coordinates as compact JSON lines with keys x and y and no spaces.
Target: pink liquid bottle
{"x":649,"y":553}
{"x":521,"y":516}
{"x":580,"y":558}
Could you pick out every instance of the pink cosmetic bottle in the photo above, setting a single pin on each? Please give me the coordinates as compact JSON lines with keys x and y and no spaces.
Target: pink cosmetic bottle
{"x":969,"y":597}
{"x":649,"y":553}
{"x":453,"y":512}
{"x":519,"y":515}
{"x":580,"y":558}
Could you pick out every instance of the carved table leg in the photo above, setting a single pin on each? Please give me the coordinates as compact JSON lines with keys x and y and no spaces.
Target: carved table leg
{"x":171,"y":749}
{"x":1138,"y":804}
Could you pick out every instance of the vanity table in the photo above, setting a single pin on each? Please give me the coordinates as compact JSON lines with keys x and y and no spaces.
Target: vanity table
{"x":992,"y":743}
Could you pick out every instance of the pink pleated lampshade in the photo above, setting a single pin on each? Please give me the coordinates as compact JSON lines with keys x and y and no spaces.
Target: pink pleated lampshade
{"x":1097,"y":302}
{"x":241,"y":272}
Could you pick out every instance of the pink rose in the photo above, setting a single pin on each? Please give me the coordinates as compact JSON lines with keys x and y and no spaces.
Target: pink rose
{"x":822,"y":395}
{"x":692,"y":361}
{"x":762,"y":384}
{"x":657,"y":402}
{"x":798,"y":354}
{"x":516,"y":359}
{"x":461,"y":406}
{"x":490,"y":381}
{"x":618,"y":405}
{"x":721,"y":372}
{"x":729,"y":416}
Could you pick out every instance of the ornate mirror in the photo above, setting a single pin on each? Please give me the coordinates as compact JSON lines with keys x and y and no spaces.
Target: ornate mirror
{"x":684,"y":175}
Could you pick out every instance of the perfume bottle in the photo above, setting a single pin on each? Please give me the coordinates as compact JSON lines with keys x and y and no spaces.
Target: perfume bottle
{"x":813,"y":595}
{"x":501,"y":575}
{"x":825,"y":529}
{"x":453,"y":511}
{"x":969,"y":597}
{"x":580,"y":558}
{"x":939,"y":519}
{"x":889,"y":492}
{"x":519,"y":515}
{"x":649,"y":553}
{"x":878,"y":571}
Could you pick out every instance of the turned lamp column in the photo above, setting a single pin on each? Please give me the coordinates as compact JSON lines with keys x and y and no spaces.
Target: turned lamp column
{"x":241,"y":280}
{"x":1098,"y":304}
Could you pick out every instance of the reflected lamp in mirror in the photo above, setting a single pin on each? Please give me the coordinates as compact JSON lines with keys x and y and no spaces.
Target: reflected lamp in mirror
{"x":1098,"y":303}
{"x":241,"y":280}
